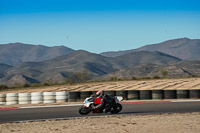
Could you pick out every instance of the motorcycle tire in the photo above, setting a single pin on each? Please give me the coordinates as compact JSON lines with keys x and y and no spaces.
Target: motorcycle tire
{"x":84,"y":111}
{"x":116,"y":108}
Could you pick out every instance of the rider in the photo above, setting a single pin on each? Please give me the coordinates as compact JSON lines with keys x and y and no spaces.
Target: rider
{"x":106,"y":101}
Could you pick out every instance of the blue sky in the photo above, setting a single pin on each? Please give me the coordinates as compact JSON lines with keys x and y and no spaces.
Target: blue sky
{"x":98,"y":25}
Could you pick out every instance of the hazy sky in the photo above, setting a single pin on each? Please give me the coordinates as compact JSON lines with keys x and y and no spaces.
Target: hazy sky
{"x":98,"y":25}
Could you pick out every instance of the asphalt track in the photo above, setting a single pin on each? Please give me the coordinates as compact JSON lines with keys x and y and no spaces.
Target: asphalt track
{"x":67,"y":112}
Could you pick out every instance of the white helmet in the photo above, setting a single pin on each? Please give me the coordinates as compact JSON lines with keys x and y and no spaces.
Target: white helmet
{"x":100,"y":93}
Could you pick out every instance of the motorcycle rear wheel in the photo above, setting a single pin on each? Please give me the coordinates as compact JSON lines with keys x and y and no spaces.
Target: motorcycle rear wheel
{"x":84,"y":111}
{"x":116,"y":108}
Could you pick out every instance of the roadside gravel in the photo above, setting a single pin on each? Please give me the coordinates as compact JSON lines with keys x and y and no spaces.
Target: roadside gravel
{"x":160,"y":123}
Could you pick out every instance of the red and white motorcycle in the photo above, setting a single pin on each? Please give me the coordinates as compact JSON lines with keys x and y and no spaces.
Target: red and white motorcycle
{"x":88,"y":102}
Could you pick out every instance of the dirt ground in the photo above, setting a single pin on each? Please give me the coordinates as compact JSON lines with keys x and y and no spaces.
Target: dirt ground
{"x":160,"y":123}
{"x":161,"y":84}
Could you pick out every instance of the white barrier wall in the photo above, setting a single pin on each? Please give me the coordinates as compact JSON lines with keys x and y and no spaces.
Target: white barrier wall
{"x":24,"y":98}
{"x":33,"y":98}
{"x":36,"y":97}
{"x":11,"y":98}
{"x":2,"y":99}
{"x":62,"y":96}
{"x":65,"y":96}
{"x":49,"y":97}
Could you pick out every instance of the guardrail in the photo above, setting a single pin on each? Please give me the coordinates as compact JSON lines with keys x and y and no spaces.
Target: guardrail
{"x":74,"y":96}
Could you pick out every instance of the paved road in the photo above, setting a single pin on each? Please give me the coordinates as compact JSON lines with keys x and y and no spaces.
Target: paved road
{"x":72,"y":111}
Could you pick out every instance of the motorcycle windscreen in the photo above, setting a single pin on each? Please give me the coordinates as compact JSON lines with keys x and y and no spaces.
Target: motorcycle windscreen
{"x":118,"y":99}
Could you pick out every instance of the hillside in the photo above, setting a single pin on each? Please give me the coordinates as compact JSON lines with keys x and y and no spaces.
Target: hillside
{"x":183,"y":48}
{"x":177,"y":70}
{"x":144,"y":57}
{"x":37,"y":63}
{"x":3,"y":68}
{"x":57,"y":69}
{"x":17,"y":53}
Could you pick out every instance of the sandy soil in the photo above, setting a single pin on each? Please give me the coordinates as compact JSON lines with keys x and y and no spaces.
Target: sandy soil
{"x":164,"y":123}
{"x":162,"y":84}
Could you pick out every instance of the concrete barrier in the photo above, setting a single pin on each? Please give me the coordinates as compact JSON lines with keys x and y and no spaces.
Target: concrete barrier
{"x":85,"y":94}
{"x":36,"y":97}
{"x":49,"y":97}
{"x":2,"y":99}
{"x":157,"y":94}
{"x":122,"y":93}
{"x":74,"y":96}
{"x":11,"y":98}
{"x":145,"y":94}
{"x":65,"y":96}
{"x":132,"y":94}
{"x":2,"y":95}
{"x":62,"y":96}
{"x":194,"y":94}
{"x":169,"y":94}
{"x":24,"y":98}
{"x":111,"y":93}
{"x":182,"y":94}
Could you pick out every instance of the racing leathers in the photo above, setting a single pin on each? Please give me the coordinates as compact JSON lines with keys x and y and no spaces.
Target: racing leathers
{"x":106,"y":103}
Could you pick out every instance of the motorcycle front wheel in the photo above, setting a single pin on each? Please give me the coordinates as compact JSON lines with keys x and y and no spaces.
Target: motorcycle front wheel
{"x":84,"y":111}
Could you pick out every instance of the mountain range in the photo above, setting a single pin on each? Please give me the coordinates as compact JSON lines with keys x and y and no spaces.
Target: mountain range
{"x":37,"y":63}
{"x":183,"y":48}
{"x":17,"y":53}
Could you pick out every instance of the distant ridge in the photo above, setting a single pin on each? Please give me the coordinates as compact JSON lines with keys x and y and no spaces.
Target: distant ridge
{"x":180,"y":69}
{"x":38,"y":64}
{"x":59,"y":68}
{"x":183,"y":48}
{"x":17,"y":53}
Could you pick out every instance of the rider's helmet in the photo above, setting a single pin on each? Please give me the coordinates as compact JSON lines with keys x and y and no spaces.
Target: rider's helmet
{"x":100,"y":93}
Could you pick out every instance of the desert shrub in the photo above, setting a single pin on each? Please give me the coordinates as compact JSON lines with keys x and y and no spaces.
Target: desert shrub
{"x":194,"y":76}
{"x":26,"y":85}
{"x":156,"y":77}
{"x":133,"y":78}
{"x":78,"y":77}
{"x":47,"y":84}
{"x":36,"y":85}
{"x":164,"y":72}
{"x":3,"y":87}
{"x":113,"y":78}
{"x":125,"y":79}
{"x":69,"y":81}
{"x":145,"y":78}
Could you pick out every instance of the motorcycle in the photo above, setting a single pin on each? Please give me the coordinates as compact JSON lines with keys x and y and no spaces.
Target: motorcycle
{"x":88,"y":102}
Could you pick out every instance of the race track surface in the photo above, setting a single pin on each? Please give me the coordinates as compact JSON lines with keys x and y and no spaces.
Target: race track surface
{"x":67,"y":112}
